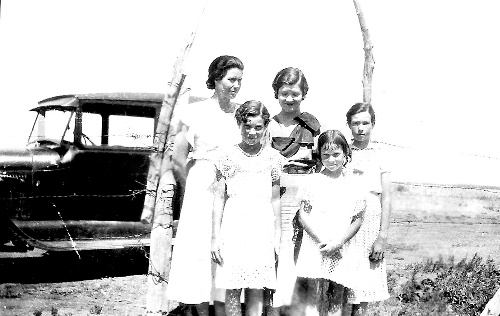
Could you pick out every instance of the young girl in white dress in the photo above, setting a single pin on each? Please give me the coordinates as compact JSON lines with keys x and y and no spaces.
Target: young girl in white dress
{"x":368,"y":168}
{"x":331,"y":212}
{"x":247,"y":222}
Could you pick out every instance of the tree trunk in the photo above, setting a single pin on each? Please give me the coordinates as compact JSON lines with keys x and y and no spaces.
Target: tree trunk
{"x":369,"y":61}
{"x":161,"y":187}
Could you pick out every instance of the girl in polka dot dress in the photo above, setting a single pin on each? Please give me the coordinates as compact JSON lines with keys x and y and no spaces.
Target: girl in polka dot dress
{"x":246,"y":215}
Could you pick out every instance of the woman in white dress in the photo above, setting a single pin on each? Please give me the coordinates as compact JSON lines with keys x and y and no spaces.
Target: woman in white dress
{"x":205,"y":127}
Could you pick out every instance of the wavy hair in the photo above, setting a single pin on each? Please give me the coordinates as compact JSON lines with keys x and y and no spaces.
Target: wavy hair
{"x":252,"y":108}
{"x":219,"y":67}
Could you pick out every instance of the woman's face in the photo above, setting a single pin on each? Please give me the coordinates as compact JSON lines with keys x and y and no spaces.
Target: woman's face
{"x":290,"y":97}
{"x":230,"y":84}
{"x":332,"y":157}
{"x":252,"y":130}
{"x":361,"y":126}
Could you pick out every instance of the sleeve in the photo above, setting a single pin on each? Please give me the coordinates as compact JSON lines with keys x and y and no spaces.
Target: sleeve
{"x":225,"y":166}
{"x":303,"y":191}
{"x":218,"y":187}
{"x":223,"y":169}
{"x":359,"y":209}
{"x":277,"y":164}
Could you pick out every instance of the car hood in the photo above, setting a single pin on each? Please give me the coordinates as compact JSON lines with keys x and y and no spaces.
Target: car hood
{"x":28,"y":159}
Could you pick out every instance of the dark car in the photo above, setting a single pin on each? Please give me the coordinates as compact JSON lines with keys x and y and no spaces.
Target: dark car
{"x":80,"y":182}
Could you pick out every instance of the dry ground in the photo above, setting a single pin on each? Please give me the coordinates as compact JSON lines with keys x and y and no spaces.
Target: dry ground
{"x":427,"y":222}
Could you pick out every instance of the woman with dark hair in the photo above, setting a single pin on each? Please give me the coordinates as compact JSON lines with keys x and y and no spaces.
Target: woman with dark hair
{"x":292,"y":133}
{"x":205,"y":127}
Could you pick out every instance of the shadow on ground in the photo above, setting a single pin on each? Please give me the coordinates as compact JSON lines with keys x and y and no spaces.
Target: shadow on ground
{"x":69,"y":266}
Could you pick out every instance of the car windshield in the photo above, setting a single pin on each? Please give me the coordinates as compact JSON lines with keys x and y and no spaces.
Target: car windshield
{"x":54,"y":125}
{"x":127,"y":131}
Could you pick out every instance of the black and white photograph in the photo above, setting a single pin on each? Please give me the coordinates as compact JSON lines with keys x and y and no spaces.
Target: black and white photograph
{"x":257,"y":158}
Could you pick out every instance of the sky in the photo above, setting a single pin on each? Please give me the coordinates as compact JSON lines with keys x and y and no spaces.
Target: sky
{"x":435,"y":80}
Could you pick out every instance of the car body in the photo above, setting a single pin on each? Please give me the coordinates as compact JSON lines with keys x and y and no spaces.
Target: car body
{"x":80,"y":181}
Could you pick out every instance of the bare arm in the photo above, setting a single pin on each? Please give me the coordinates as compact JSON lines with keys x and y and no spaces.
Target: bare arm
{"x":380,"y":243}
{"x":180,"y":153}
{"x":304,"y":219}
{"x":276,"y":203}
{"x":217,"y":213}
{"x":332,"y":247}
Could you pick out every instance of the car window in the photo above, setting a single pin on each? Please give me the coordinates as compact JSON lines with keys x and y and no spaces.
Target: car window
{"x":131,"y":131}
{"x":91,"y":128}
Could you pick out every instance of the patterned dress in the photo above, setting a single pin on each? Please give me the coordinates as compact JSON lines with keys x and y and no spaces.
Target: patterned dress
{"x":334,"y":203}
{"x":247,"y":229}
{"x":192,"y":270}
{"x":367,"y":166}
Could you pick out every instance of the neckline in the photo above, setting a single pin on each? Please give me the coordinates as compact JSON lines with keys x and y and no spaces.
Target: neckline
{"x":232,"y":105}
{"x":250,"y":155}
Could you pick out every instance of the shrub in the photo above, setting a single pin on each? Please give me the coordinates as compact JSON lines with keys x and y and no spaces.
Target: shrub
{"x":464,"y":287}
{"x":96,"y":310}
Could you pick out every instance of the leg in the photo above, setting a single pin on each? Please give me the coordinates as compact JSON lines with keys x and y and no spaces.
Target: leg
{"x":233,"y":303}
{"x":300,"y":293}
{"x":202,"y":309}
{"x":347,"y":307}
{"x":359,"y":309}
{"x":219,"y":308}
{"x":254,"y":302}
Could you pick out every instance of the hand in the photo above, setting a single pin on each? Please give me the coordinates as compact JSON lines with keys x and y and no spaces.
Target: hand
{"x":378,"y":249}
{"x":215,"y":252}
{"x":277,"y":243}
{"x":330,"y":249}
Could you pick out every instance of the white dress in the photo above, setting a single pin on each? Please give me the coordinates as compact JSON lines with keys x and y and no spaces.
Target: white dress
{"x":334,"y":203}
{"x":367,"y":165}
{"x":247,"y":229}
{"x":191,"y":273}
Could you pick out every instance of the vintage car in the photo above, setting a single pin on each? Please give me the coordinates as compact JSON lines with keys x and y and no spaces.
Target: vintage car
{"x":80,"y":182}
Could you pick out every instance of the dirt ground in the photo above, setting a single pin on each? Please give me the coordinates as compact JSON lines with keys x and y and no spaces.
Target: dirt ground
{"x":427,"y":222}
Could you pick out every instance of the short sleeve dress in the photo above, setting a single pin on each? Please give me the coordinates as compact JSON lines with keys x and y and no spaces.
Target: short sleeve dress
{"x":247,"y":228}
{"x":334,"y":203}
{"x":191,"y":273}
{"x":366,"y":166}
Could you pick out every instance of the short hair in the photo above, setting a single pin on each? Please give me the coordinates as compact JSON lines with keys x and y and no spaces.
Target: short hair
{"x":359,"y":108}
{"x":252,"y":108}
{"x":219,"y":67}
{"x":290,"y":76}
{"x":334,"y":137}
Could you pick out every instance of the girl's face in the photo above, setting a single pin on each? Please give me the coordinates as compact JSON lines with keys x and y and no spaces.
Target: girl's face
{"x":332,"y":157}
{"x":290,"y":97}
{"x":252,"y":130}
{"x":361,"y":126}
{"x":230,"y":84}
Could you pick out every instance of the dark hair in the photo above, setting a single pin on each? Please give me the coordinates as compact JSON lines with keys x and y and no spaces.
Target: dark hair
{"x":219,"y":67}
{"x":290,"y":76}
{"x":334,"y":137}
{"x":359,"y":108}
{"x":252,"y":109}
